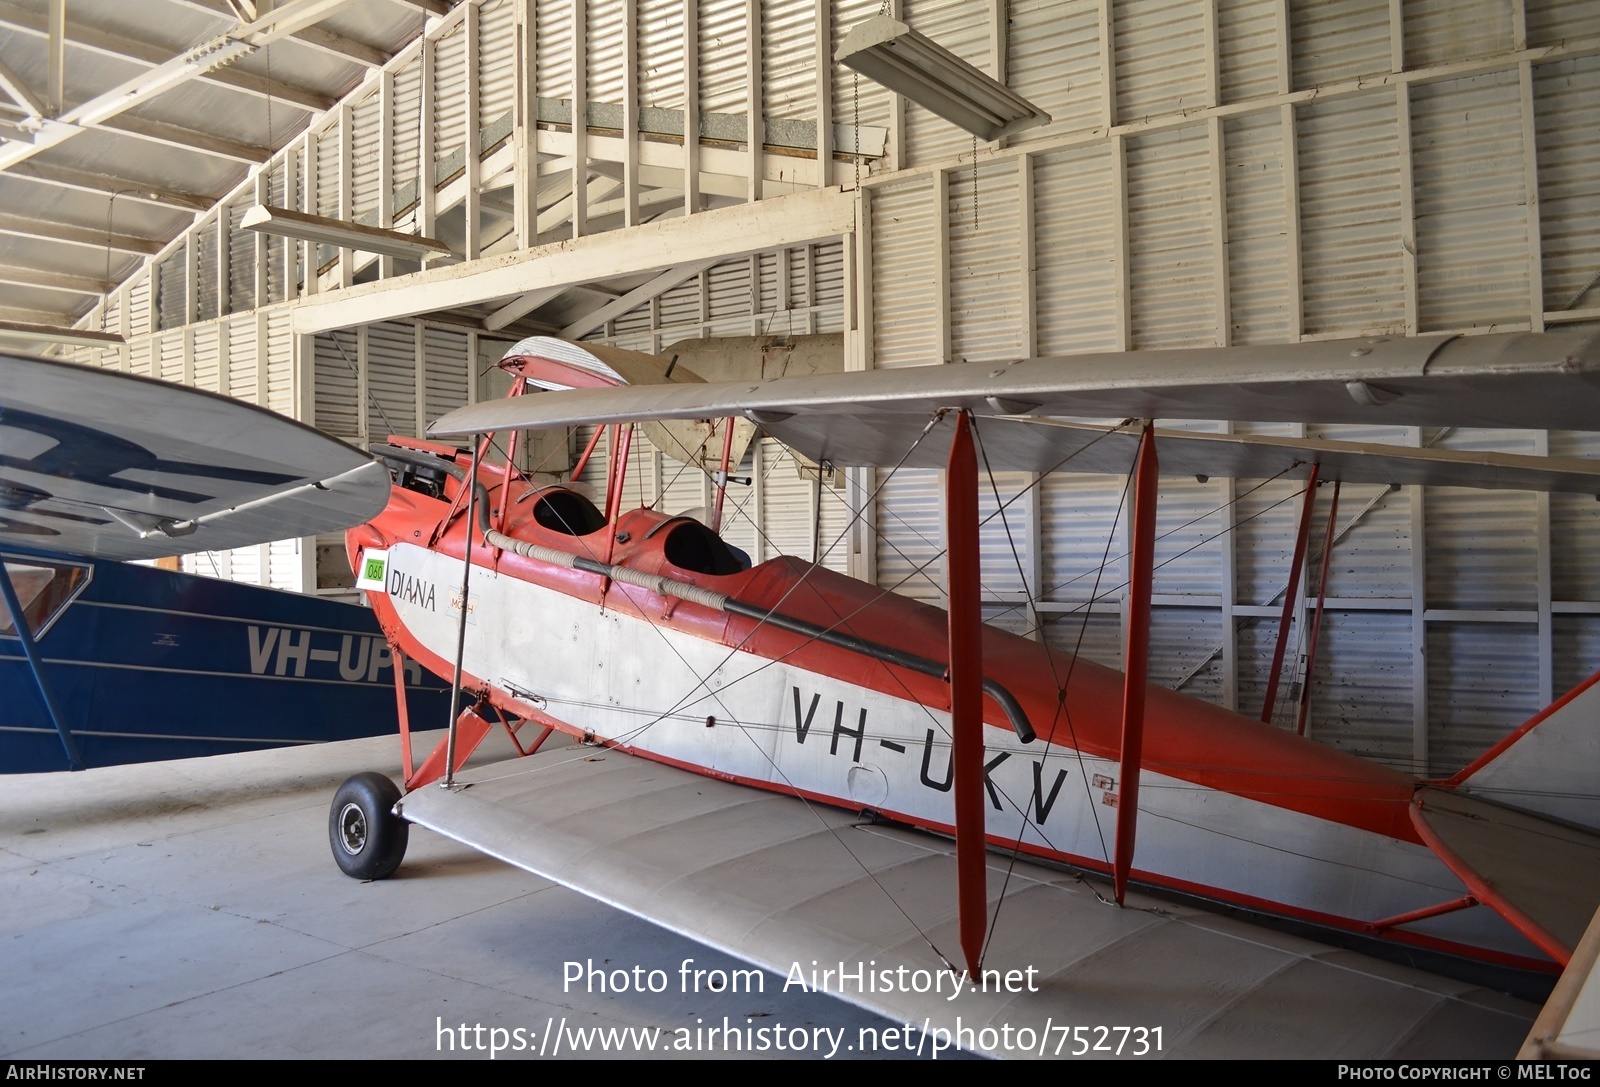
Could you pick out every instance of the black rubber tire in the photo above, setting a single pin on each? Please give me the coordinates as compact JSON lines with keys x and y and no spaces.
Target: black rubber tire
{"x":368,"y":840}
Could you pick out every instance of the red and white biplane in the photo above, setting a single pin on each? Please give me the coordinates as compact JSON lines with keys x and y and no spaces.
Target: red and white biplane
{"x":645,"y":633}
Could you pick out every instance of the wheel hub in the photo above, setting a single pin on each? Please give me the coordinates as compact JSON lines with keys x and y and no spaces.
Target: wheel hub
{"x":353,"y":829}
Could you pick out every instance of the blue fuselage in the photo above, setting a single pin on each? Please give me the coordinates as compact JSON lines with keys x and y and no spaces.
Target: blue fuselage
{"x":147,"y":664}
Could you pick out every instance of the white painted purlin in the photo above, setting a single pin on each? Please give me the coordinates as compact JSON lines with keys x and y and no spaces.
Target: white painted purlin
{"x":1406,"y":189}
{"x":755,"y":131}
{"x":822,"y":90}
{"x":291,"y":261}
{"x":191,"y":279}
{"x":386,"y":163}
{"x":346,"y":144}
{"x":579,"y":98}
{"x":472,"y":162}
{"x":691,"y":106}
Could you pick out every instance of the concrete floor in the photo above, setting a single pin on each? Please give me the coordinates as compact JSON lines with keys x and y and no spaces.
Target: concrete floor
{"x":191,"y":909}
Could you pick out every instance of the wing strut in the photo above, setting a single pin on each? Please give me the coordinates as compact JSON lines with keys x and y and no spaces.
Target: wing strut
{"x":403,"y":711}
{"x":966,"y":688}
{"x":1147,"y":479}
{"x":588,"y":451}
{"x":30,"y":650}
{"x":616,"y":474}
{"x":1316,"y":626}
{"x":722,"y":476}
{"x":1306,"y":507}
{"x":461,"y":627}
{"x":518,"y":383}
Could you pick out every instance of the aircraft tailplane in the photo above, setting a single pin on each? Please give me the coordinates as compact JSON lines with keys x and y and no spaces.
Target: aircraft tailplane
{"x":1549,"y":765}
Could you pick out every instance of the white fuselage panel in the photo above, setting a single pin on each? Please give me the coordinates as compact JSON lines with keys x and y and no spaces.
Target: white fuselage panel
{"x":732,"y":713}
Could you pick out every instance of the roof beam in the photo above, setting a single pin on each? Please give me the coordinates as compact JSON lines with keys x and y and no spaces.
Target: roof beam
{"x":272,"y":89}
{"x":120,"y":187}
{"x":139,"y":51}
{"x":53,"y":281}
{"x":427,"y":7}
{"x":298,"y":28}
{"x":29,"y":227}
{"x":57,"y":50}
{"x":561,"y":211}
{"x":15,"y":130}
{"x":239,"y":40}
{"x":20,"y":94}
{"x":187,"y":139}
{"x":810,"y":216}
{"x":326,"y":41}
{"x":497,"y":201}
{"x":297,"y":19}
{"x":636,"y":297}
{"x":520,"y":306}
{"x":54,"y":328}
{"x":13,"y":319}
{"x":648,"y":199}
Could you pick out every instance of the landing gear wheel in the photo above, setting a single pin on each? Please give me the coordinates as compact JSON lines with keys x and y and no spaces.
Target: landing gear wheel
{"x":367,"y":838}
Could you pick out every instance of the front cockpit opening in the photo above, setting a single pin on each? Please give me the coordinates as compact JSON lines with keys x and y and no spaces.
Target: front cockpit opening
{"x":567,"y":512}
{"x":692,"y":546}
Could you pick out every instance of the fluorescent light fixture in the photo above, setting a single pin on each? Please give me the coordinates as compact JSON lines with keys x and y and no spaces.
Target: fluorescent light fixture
{"x":891,"y":53}
{"x":336,"y":232}
{"x":13,"y":331}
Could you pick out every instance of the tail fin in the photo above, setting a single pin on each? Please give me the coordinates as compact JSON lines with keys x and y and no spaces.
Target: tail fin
{"x":1549,"y":765}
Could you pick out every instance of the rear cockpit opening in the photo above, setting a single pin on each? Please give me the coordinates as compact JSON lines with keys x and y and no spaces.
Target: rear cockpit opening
{"x":692,"y":546}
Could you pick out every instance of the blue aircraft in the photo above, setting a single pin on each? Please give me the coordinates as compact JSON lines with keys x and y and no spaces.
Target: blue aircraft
{"x":105,"y":661}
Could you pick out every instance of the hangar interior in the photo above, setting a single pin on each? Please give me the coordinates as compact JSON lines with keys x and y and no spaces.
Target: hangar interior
{"x":1212,"y":173}
{"x":349,"y":210}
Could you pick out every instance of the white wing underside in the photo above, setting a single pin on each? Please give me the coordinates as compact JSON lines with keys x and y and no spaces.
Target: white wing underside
{"x":776,"y":882}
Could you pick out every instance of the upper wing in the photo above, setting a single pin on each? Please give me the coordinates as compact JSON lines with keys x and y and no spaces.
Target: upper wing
{"x":881,"y":417}
{"x":1538,"y":381}
{"x":800,"y":889}
{"x":96,"y":462}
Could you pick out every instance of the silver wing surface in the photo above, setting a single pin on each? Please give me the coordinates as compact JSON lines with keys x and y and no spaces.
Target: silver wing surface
{"x":1544,"y":381}
{"x":884,"y":417}
{"x":799,"y":889}
{"x":107,"y":464}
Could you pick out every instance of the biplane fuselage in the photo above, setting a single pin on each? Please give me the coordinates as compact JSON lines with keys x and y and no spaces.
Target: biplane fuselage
{"x":1232,"y":809}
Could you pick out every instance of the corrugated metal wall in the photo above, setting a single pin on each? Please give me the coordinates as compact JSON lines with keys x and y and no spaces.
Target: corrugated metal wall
{"x":1250,"y":172}
{"x":393,"y":377}
{"x":388,"y":378}
{"x":1236,"y":171}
